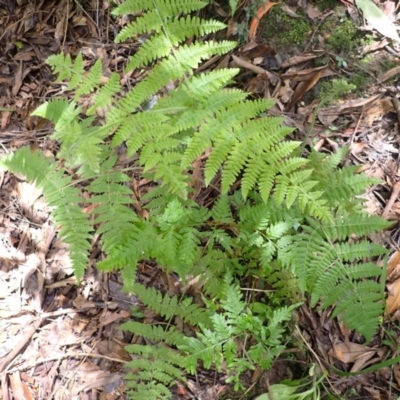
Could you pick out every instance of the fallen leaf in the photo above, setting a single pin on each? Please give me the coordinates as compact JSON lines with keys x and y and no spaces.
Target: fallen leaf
{"x":286,"y":9}
{"x":313,"y":12}
{"x":349,"y":353}
{"x":393,"y":298}
{"x":393,"y":262}
{"x":256,"y":20}
{"x":377,"y":18}
{"x":302,"y":88}
{"x":389,"y":74}
{"x":298,"y":59}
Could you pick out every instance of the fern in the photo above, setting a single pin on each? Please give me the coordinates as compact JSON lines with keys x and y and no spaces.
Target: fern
{"x":334,"y":270}
{"x":65,"y":200}
{"x":158,"y":367}
{"x":283,"y":220}
{"x":213,"y":346}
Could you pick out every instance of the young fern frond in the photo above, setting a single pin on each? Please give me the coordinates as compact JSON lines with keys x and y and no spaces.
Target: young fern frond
{"x":64,"y":199}
{"x":213,"y":346}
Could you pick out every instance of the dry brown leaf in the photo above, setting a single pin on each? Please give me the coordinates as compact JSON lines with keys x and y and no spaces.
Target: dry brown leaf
{"x":19,"y":388}
{"x":313,"y":12}
{"x":306,"y":74}
{"x":260,"y":50}
{"x":374,"y":47}
{"x":295,"y":60}
{"x":393,"y":298}
{"x":394,"y":262}
{"x":256,"y":20}
{"x":259,"y":84}
{"x":5,"y":118}
{"x":396,"y":370}
{"x":258,"y":70}
{"x":17,"y":79}
{"x":375,"y":393}
{"x":302,"y":88}
{"x":286,"y":9}
{"x":378,"y":109}
{"x":389,"y":74}
{"x":112,"y":349}
{"x":285,"y":93}
{"x":357,"y":147}
{"x":349,"y":353}
{"x":363,"y":361}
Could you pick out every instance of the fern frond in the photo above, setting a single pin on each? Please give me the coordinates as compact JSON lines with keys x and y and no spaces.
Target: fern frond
{"x":158,"y":11}
{"x":105,"y":96}
{"x":333,"y":270}
{"x":80,"y":143}
{"x":61,"y":196}
{"x":66,"y":70}
{"x":155,"y":333}
{"x":112,"y":199}
{"x":174,"y":32}
{"x":155,"y":370}
{"x":168,"y":306}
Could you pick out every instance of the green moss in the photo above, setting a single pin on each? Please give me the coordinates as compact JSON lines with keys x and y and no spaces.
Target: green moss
{"x":285,"y":31}
{"x":344,"y":37}
{"x":388,"y":62}
{"x":360,"y":80}
{"x":326,"y":4}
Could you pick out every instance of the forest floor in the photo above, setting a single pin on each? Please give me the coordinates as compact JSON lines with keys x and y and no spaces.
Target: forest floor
{"x":60,"y":340}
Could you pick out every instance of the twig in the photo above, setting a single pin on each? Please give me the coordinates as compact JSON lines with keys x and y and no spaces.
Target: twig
{"x":60,"y":357}
{"x":393,"y":197}
{"x":358,"y":124}
{"x":30,"y":331}
{"x":324,"y":17}
{"x":258,"y":70}
{"x":396,"y":105}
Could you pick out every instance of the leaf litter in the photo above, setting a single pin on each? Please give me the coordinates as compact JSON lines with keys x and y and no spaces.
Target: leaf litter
{"x":62,"y":340}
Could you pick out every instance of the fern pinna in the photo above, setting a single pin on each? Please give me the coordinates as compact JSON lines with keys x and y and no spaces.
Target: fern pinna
{"x":291,"y":223}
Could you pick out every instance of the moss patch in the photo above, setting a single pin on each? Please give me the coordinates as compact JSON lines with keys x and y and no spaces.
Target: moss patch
{"x":341,"y":33}
{"x":326,"y":4}
{"x":285,"y":32}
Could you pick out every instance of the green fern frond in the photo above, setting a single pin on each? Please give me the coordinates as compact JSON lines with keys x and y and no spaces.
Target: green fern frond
{"x":64,"y":199}
{"x":80,"y":143}
{"x":105,"y":96}
{"x":155,"y":333}
{"x":342,"y":184}
{"x":174,"y":32}
{"x":158,"y":12}
{"x":168,"y":306}
{"x":332,"y":269}
{"x":74,"y":72}
{"x":156,"y":368}
{"x":112,"y":200}
{"x":66,"y":70}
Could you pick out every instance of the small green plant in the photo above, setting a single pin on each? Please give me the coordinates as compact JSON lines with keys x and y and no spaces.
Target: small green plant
{"x":280,"y":219}
{"x":296,"y":390}
{"x":333,"y":90}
